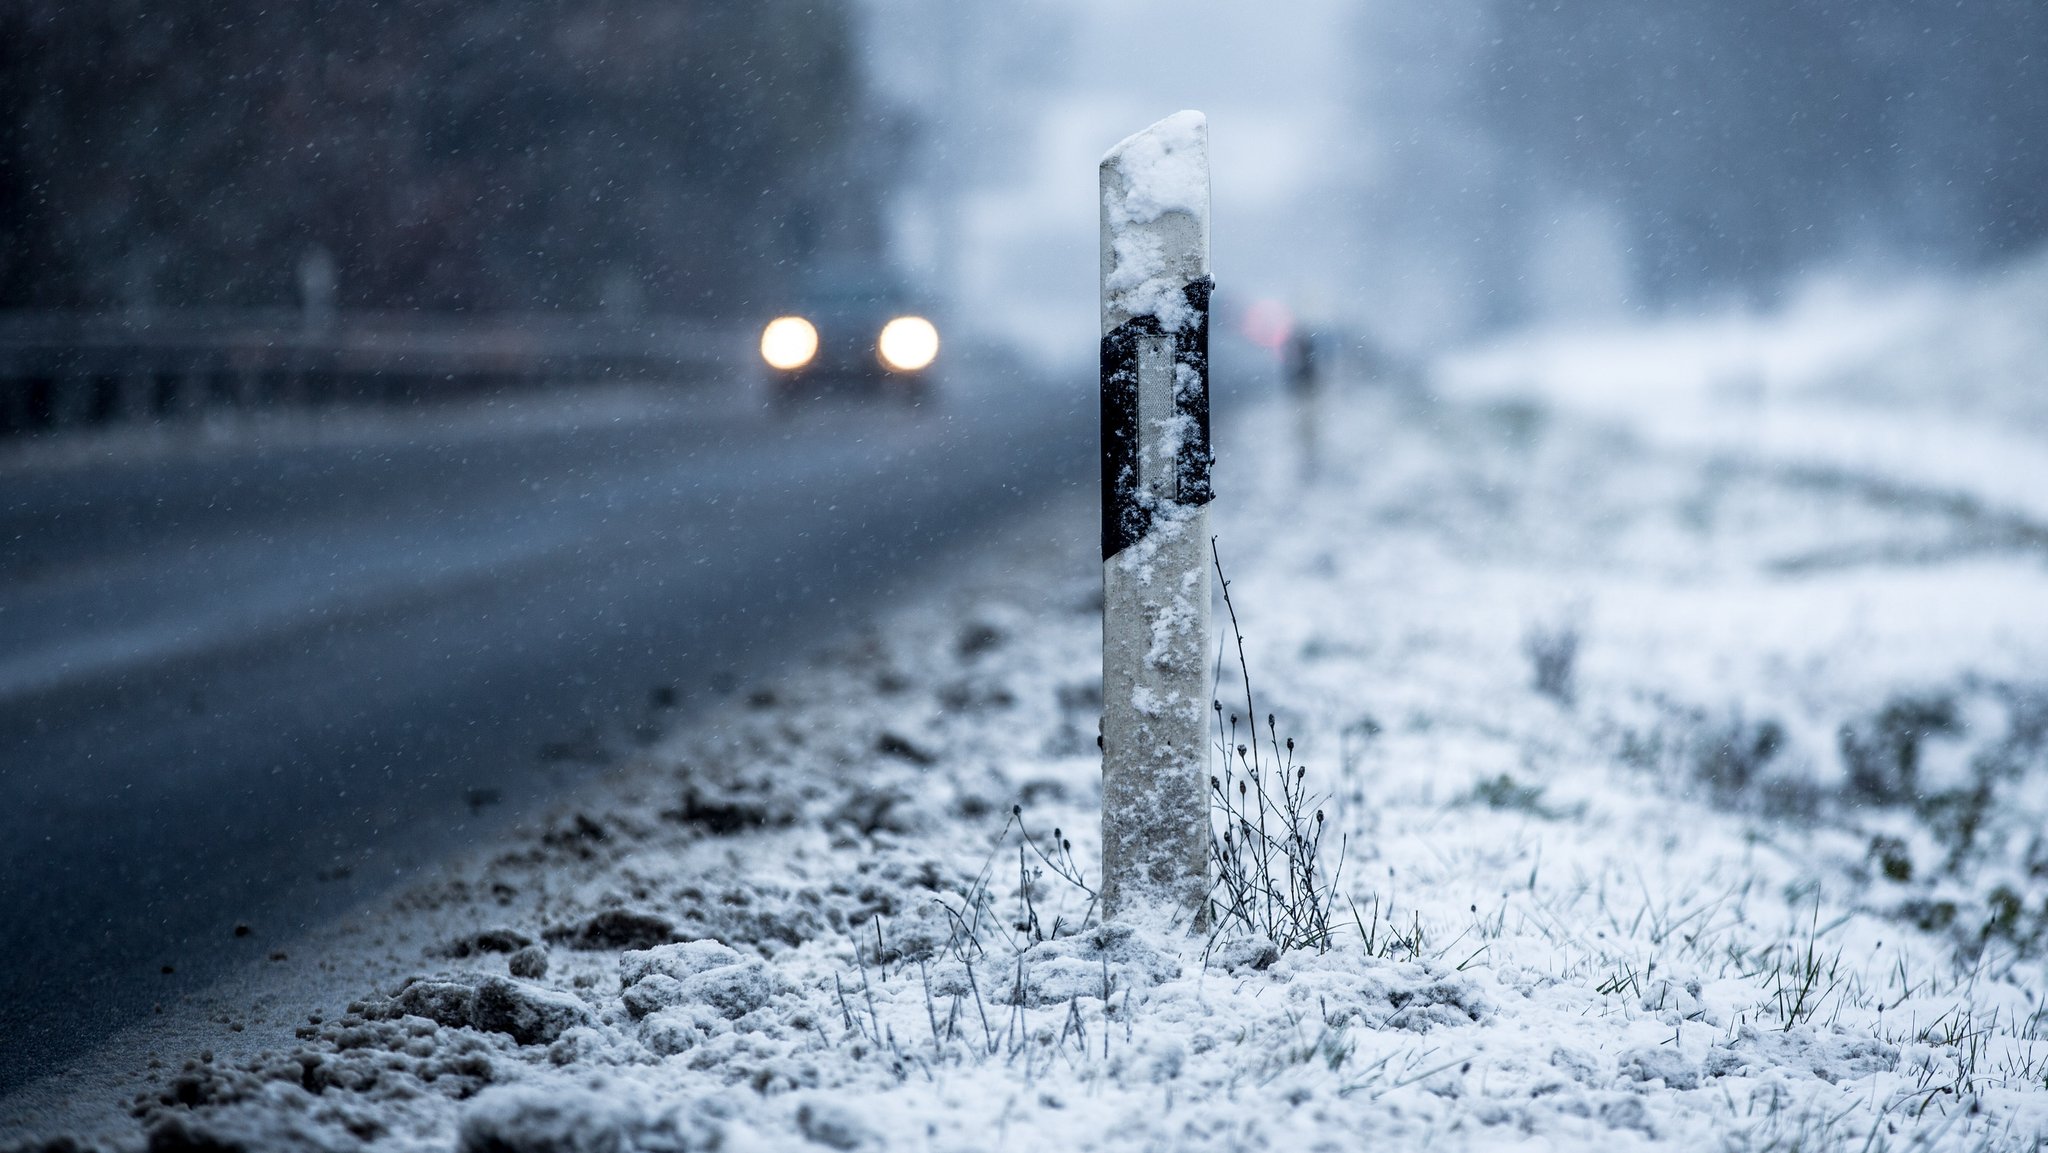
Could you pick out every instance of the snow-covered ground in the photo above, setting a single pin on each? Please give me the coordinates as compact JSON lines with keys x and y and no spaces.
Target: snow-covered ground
{"x":1684,"y":748}
{"x":1926,"y":384}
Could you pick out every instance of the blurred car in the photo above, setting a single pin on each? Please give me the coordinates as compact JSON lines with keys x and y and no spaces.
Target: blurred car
{"x":852,"y":327}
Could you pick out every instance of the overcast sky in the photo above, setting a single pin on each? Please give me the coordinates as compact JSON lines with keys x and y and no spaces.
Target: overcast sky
{"x":1044,"y":87}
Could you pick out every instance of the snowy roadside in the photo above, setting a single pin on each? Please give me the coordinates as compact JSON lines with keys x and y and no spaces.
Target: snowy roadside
{"x":1683,"y":804}
{"x":1927,"y":386}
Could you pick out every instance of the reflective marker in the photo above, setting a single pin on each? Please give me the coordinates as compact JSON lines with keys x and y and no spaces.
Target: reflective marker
{"x":1155,"y":524}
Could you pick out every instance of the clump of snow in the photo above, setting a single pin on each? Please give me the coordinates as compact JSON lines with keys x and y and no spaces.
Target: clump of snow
{"x":529,"y":1013}
{"x":525,"y":1119}
{"x":1155,"y":219}
{"x":694,"y":973}
{"x":1165,"y":169}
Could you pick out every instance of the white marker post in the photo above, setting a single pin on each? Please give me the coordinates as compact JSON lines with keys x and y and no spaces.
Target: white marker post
{"x":1155,"y":523}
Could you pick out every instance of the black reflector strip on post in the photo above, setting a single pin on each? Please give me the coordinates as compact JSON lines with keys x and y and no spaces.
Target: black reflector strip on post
{"x":1124,"y":520}
{"x":1191,"y":397}
{"x":1125,"y":516}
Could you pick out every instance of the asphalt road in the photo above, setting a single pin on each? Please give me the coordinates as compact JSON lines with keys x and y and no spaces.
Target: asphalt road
{"x":253,"y":681}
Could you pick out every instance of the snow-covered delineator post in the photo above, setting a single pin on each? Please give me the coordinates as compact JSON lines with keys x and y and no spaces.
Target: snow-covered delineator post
{"x":1155,"y":523}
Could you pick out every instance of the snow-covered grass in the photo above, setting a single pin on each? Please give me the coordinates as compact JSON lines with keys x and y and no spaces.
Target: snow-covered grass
{"x":1922,"y":383}
{"x":1678,"y":796}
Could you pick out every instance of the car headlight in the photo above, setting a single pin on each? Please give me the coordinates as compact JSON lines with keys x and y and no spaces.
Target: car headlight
{"x":789,"y":342}
{"x":908,"y":343}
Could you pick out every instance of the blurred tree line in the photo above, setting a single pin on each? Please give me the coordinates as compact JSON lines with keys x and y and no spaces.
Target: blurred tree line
{"x":683,"y":155}
{"x":1738,"y":141}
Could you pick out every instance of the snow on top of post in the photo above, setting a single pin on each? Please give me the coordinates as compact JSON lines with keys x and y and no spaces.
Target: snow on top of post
{"x":1155,"y":220}
{"x":1165,"y":169}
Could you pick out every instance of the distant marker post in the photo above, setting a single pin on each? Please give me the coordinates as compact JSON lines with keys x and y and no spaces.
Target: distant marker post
{"x":1155,"y":523}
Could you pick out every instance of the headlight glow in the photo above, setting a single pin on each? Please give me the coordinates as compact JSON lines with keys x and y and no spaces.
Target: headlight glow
{"x":908,"y":343}
{"x":789,"y":342}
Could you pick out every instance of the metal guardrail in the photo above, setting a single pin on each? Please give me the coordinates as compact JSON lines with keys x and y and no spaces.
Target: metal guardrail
{"x":64,"y":369}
